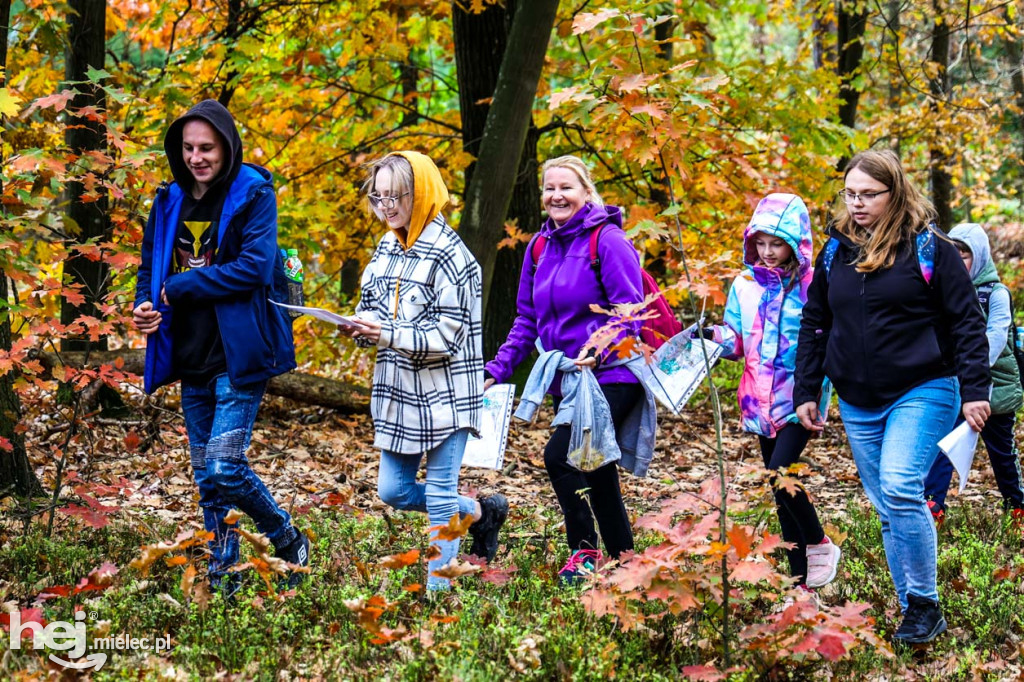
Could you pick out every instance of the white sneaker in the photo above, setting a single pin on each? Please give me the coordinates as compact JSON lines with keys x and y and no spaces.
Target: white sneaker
{"x":822,"y":563}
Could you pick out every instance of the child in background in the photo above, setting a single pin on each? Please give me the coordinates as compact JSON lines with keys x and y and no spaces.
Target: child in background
{"x":1007,"y":398}
{"x":762,"y":321}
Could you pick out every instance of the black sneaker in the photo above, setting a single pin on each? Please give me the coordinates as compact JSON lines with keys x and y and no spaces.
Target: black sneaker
{"x":922,"y":621}
{"x":297,"y":552}
{"x":485,"y":530}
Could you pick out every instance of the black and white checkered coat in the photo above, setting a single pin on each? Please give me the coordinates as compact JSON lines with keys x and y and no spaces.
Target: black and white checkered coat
{"x":428,"y":380}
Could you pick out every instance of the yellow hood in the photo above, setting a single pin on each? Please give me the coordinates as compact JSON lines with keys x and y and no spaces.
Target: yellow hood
{"x":429,"y":198}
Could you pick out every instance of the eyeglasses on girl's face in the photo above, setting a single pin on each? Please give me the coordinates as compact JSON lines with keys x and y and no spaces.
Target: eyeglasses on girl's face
{"x":377,"y":201}
{"x":866,"y":197}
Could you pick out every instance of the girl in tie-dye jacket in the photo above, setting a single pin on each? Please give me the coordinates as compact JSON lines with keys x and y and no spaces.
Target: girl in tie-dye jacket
{"x":762,"y":322}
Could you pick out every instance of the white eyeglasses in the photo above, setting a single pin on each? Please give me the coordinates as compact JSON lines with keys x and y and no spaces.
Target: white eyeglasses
{"x":377,"y":201}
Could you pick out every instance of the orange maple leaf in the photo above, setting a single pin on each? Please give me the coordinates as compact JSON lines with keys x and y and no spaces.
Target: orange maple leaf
{"x":752,"y":572}
{"x":456,"y":569}
{"x":457,"y":526}
{"x":188,"y":580}
{"x":394,"y":561}
{"x":742,"y":538}
{"x":586,"y":20}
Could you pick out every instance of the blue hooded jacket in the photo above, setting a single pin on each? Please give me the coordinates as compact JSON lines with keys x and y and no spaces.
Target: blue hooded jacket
{"x":246,"y":271}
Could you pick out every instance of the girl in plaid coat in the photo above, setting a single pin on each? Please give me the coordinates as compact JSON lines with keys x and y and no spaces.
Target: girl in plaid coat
{"x":420,"y":307}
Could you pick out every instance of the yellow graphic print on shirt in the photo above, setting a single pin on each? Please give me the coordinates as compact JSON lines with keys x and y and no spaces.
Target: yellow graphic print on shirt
{"x":194,"y":247}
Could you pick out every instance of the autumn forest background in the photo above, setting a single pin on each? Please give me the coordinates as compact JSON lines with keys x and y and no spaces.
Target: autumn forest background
{"x":687,"y":111}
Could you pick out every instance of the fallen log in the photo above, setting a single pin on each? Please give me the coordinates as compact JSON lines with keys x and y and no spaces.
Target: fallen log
{"x":303,"y":388}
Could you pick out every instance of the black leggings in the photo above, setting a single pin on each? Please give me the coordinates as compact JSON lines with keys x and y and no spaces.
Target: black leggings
{"x":602,"y":484}
{"x":797,"y":518}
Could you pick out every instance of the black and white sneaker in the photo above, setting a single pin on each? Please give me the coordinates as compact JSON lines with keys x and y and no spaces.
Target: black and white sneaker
{"x":485,"y":531}
{"x":297,"y":552}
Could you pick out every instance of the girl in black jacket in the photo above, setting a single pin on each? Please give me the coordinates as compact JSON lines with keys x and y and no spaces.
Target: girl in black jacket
{"x":892,"y":319}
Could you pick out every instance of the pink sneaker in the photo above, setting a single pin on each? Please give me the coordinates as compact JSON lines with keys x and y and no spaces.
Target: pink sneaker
{"x":822,"y":563}
{"x":581,"y":563}
{"x":802,"y":593}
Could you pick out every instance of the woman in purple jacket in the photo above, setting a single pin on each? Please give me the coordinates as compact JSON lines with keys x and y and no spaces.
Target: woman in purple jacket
{"x":555,"y":295}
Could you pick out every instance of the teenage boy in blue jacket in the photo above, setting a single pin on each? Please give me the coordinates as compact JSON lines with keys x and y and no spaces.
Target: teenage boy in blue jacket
{"x":209,"y":260}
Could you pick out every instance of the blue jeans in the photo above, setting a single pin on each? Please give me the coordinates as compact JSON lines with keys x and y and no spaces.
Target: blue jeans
{"x":438,"y":495}
{"x":894,"y":447}
{"x":219,"y":418}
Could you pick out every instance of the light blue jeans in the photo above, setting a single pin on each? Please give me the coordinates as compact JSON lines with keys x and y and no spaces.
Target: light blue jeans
{"x":437,"y":495}
{"x":894,"y":447}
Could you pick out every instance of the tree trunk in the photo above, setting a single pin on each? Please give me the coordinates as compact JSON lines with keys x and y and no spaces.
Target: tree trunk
{"x":409,"y":78}
{"x":489,"y":192}
{"x":824,"y":31}
{"x":663,"y":35}
{"x":895,"y":84}
{"x":941,"y":180}
{"x":850,"y":26}
{"x":303,"y":388}
{"x":227,"y":91}
{"x":15,"y":469}
{"x":348,"y":280}
{"x":1014,"y":53}
{"x":480,"y":44}
{"x":85,"y":220}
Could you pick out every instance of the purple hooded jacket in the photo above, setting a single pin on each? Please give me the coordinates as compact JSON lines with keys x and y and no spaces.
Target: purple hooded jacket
{"x":554,"y":299}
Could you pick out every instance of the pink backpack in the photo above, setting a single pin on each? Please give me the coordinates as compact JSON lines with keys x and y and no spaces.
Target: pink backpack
{"x":655,"y":330}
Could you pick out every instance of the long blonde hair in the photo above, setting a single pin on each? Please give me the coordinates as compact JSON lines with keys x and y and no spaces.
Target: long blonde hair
{"x":576,"y":165}
{"x":907,"y":213}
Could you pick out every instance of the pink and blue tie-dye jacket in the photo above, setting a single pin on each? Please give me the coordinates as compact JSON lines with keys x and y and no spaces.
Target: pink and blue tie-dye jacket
{"x":762,"y":316}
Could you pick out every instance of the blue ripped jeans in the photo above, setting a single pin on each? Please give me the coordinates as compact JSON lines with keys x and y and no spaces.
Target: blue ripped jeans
{"x":437,"y":495}
{"x":219,"y":418}
{"x":894,"y":447}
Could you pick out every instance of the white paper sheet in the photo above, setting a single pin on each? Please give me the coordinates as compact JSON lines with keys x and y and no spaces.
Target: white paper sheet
{"x":489,"y":450}
{"x":677,"y":368}
{"x":959,"y":446}
{"x":321,"y":314}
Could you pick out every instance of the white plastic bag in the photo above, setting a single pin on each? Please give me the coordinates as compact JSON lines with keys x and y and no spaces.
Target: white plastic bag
{"x":592,"y":441}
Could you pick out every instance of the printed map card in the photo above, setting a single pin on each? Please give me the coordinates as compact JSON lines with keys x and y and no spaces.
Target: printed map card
{"x":489,"y":450}
{"x":677,"y":368}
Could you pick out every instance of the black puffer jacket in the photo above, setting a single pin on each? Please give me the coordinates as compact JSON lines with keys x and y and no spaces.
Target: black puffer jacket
{"x":876,"y":335}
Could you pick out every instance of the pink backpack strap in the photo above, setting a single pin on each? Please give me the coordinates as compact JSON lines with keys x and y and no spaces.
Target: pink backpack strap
{"x":595,"y":260}
{"x":537,"y":248}
{"x":540,"y":241}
